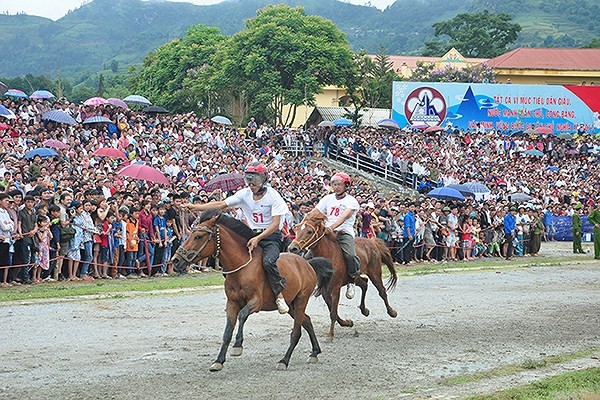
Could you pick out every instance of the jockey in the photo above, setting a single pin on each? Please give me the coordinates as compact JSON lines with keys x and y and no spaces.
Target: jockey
{"x":263,"y":209}
{"x":341,"y":209}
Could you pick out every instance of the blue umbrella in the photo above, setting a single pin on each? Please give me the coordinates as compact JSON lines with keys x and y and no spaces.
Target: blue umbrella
{"x":41,"y":94}
{"x":446,"y":193}
{"x":42,"y":152}
{"x":535,"y":153}
{"x":16,"y":93}
{"x":388,"y":123}
{"x":6,"y":113}
{"x":97,"y":119}
{"x":60,"y":117}
{"x":475,"y":187}
{"x":137,"y":100}
{"x":219,"y":119}
{"x":342,"y":122}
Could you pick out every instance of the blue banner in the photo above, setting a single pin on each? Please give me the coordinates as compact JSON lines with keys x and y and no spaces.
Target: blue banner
{"x":563,"y":228}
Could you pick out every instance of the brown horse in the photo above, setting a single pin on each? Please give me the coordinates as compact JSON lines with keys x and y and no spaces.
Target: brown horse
{"x":246,"y":286}
{"x":312,"y":235}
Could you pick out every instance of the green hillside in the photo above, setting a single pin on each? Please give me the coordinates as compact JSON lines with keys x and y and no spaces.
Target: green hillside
{"x":103,"y":31}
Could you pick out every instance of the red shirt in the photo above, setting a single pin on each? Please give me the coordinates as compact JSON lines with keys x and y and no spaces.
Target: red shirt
{"x":145,"y":223}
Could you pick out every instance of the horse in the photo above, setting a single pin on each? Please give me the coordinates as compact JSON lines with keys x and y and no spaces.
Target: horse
{"x":247,"y":289}
{"x":311,"y":234}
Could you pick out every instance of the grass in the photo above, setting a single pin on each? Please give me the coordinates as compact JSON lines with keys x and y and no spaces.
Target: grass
{"x":115,"y":288}
{"x":584,"y":384}
{"x":512,"y":369}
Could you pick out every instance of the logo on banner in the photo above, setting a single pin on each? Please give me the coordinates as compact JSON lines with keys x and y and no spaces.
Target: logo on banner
{"x":425,"y":105}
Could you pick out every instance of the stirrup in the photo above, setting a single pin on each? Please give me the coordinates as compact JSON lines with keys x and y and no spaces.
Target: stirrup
{"x":282,"y":306}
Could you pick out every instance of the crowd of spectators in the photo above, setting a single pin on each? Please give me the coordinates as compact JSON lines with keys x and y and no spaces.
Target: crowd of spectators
{"x":73,"y":216}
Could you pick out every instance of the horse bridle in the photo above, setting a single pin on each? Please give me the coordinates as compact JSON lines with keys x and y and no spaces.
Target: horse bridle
{"x":308,"y":246}
{"x":190,"y":255}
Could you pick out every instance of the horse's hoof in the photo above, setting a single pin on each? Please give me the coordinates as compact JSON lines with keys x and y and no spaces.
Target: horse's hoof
{"x":350,"y":323}
{"x":312,"y":360}
{"x":392,"y":313}
{"x":365,"y":312}
{"x":281,"y":366}
{"x":329,"y":338}
{"x":216,"y":367}
{"x":236,"y":351}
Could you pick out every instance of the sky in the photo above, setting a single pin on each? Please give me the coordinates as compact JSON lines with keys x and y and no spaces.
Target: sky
{"x":55,"y":9}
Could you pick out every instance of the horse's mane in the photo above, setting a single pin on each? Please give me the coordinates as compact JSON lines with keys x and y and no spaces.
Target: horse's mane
{"x":228,"y":222}
{"x":316,"y":215}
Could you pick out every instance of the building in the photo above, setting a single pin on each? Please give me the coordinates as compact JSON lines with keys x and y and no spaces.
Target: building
{"x":548,"y":66}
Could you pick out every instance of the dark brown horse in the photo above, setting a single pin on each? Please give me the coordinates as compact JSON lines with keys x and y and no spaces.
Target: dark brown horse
{"x":246,"y":286}
{"x":312,"y":235}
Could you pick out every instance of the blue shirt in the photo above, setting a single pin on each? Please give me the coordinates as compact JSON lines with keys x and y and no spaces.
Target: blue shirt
{"x":510,"y":223}
{"x":409,"y":224}
{"x":161,"y":225}
{"x":547,"y":218}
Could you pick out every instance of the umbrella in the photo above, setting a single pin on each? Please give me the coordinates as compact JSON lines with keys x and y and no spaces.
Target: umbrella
{"x":388,"y":123}
{"x":42,"y":152}
{"x":565,"y":136}
{"x":446,"y":193}
{"x":137,"y":100}
{"x":342,"y":122}
{"x":41,"y":94}
{"x":16,"y":93}
{"x":6,"y":113}
{"x":518,"y":197}
{"x":145,"y":173}
{"x":3,"y":88}
{"x":97,"y":119}
{"x":225,"y":182}
{"x":155,"y":110}
{"x":110,"y":152}
{"x":419,"y":126}
{"x":475,"y":187}
{"x":57,"y":144}
{"x":464,"y":191}
{"x":60,"y":117}
{"x":326,"y":124}
{"x":95,"y":101}
{"x":530,"y":131}
{"x":543,"y":130}
{"x":219,"y":119}
{"x":535,"y":153}
{"x":433,"y":128}
{"x":118,"y":103}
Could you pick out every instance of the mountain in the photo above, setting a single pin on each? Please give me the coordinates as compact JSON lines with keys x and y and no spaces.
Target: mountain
{"x":122,"y":32}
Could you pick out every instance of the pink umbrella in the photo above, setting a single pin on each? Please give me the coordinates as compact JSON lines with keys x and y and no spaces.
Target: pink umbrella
{"x":95,"y":101}
{"x":419,"y":126}
{"x":110,"y":152}
{"x":145,"y":173}
{"x":118,"y":103}
{"x":434,"y":128}
{"x":57,"y":144}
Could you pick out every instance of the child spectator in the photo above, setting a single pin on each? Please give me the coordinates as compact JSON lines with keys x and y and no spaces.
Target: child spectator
{"x":43,"y":248}
{"x":160,"y":237}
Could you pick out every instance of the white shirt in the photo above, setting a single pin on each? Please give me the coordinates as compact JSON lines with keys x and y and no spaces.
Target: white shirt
{"x":334,"y":208}
{"x":259,"y":213}
{"x":7,"y":226}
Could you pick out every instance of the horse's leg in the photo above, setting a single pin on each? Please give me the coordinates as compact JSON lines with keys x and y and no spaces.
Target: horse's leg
{"x":333,"y":313}
{"x":237,"y":348}
{"x":294,"y":336}
{"x":232,"y":313}
{"x":316,"y":349}
{"x":363,"y":284}
{"x":375,"y":276}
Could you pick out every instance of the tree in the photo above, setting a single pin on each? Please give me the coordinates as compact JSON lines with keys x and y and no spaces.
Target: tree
{"x":594,"y":44}
{"x":101,"y":86}
{"x":481,"y":34}
{"x":480,"y":73}
{"x":282,"y":58}
{"x":164,"y":72}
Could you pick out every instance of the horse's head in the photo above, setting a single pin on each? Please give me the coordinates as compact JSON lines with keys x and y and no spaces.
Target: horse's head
{"x":309,"y":231}
{"x":200,"y":244}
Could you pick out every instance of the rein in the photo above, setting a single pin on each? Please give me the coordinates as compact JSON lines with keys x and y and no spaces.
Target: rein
{"x":190,"y":255}
{"x":308,"y":246}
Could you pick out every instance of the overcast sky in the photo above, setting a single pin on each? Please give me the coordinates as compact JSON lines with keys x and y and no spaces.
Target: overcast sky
{"x":55,"y":9}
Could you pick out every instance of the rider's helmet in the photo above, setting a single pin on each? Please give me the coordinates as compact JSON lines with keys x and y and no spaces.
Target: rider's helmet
{"x":344,"y":178}
{"x":255,"y":173}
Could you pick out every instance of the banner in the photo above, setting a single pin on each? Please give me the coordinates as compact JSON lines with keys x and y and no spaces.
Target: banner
{"x":501,"y":107}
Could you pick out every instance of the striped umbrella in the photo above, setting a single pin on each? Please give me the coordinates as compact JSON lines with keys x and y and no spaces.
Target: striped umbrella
{"x":137,"y":100}
{"x":59,"y":116}
{"x":95,"y":101}
{"x":41,"y":94}
{"x":118,"y":103}
{"x":16,"y":93}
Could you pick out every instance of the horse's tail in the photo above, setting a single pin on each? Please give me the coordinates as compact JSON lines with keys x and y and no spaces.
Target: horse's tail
{"x":387,"y":259}
{"x":324,"y":270}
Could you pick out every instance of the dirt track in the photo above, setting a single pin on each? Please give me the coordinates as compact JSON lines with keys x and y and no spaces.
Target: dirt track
{"x":160,"y":346}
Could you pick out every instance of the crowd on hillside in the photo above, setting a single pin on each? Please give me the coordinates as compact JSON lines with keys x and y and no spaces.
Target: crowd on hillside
{"x":73,"y":216}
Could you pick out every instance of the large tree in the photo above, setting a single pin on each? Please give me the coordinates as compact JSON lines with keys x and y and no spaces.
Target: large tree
{"x":166,"y":70}
{"x":282,"y":58}
{"x":481,"y":34}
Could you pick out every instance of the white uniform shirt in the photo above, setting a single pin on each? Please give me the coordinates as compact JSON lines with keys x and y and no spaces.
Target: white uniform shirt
{"x":259,"y":214}
{"x":334,"y":208}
